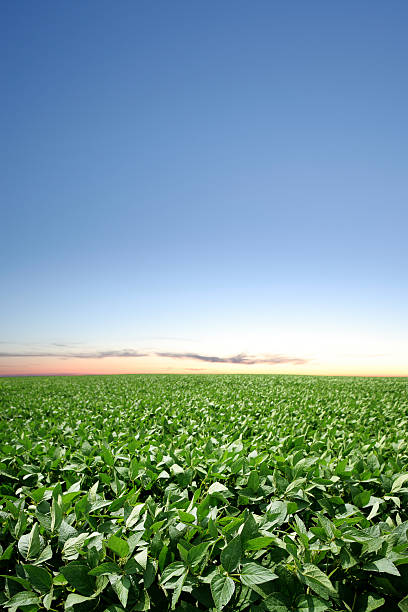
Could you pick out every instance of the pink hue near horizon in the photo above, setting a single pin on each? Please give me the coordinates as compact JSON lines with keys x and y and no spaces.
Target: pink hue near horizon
{"x":160,"y":365}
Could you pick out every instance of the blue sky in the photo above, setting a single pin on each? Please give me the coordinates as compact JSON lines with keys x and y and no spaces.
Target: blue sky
{"x":208,"y":179}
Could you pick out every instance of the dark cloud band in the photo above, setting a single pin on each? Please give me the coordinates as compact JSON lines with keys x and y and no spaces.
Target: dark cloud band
{"x":78,"y":355}
{"x":241,"y":358}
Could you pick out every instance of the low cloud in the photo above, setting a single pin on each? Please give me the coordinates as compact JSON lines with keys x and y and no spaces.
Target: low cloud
{"x":241,"y":358}
{"x":77,"y":355}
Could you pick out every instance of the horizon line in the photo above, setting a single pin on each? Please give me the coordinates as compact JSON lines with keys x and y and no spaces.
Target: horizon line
{"x":201,"y":373}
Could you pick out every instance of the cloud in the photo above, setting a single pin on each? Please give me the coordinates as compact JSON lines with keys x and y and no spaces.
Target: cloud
{"x":241,"y":358}
{"x":78,"y":355}
{"x":65,"y":344}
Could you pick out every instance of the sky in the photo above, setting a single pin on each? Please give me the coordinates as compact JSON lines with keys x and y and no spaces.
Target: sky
{"x":204,"y":187}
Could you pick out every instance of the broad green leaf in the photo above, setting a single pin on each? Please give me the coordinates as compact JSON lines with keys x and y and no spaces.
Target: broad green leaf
{"x":197,"y":553}
{"x":384,"y":566}
{"x":174,"y":569}
{"x":277,"y":602}
{"x":398,"y":483}
{"x":45,"y":555}
{"x":39,"y":577}
{"x":24,"y":598}
{"x":21,"y":524}
{"x":369,"y":602}
{"x":231,"y":554}
{"x":105,"y":569}
{"x":249,"y":530}
{"x":310,"y":603}
{"x":48,"y":599}
{"x":121,"y":586}
{"x":177,"y":589}
{"x":217,"y":487}
{"x":317,"y":581}
{"x":77,"y":576}
{"x":24,"y":583}
{"x":222,"y":589}
{"x":253,"y":481}
{"x":141,"y":558}
{"x":29,"y":545}
{"x":7,"y":554}
{"x":253,"y":573}
{"x":259,"y":543}
{"x":186,"y":517}
{"x":74,"y":598}
{"x":73,"y":546}
{"x":56,"y":513}
{"x":133,"y":517}
{"x":119,"y":546}
{"x":107,"y":456}
{"x":149,"y":574}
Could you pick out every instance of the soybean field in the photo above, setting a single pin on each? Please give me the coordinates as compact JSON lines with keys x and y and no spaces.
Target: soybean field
{"x":204,"y":492}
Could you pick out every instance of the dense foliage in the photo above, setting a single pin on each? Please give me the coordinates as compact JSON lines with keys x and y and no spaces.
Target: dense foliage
{"x":258,"y":493}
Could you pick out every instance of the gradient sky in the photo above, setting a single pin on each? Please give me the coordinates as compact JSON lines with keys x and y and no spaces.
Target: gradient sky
{"x":204,"y":187}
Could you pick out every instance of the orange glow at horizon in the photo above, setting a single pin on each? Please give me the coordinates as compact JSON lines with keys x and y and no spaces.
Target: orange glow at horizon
{"x":161,"y":365}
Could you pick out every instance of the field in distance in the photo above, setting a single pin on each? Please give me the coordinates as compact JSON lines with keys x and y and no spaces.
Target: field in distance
{"x":258,"y":493}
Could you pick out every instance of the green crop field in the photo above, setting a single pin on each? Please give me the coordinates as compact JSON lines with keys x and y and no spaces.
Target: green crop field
{"x":258,"y":493}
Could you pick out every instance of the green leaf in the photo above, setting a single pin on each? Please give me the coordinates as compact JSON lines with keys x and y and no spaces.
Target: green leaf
{"x":119,"y":546}
{"x":253,"y":481}
{"x":310,"y":603}
{"x":186,"y":517}
{"x":133,"y":517}
{"x":39,"y":577}
{"x":25,"y":598}
{"x":384,"y":566}
{"x":222,"y":589}
{"x":56,"y":513}
{"x":29,"y":545}
{"x":259,"y":543}
{"x":105,"y":569}
{"x":107,"y":456}
{"x":73,"y":546}
{"x":21,"y":524}
{"x":24,"y":583}
{"x":174,"y":569}
{"x":45,"y":555}
{"x":121,"y":586}
{"x":369,"y":602}
{"x":403,"y":604}
{"x":7,"y":554}
{"x":197,"y":553}
{"x":277,"y":602}
{"x":47,"y":601}
{"x":141,"y":558}
{"x":178,"y":588}
{"x":398,"y":483}
{"x":149,"y":574}
{"x":231,"y":555}
{"x":253,"y":574}
{"x":217,"y":487}
{"x":77,"y":576}
{"x":249,"y":530}
{"x":74,"y":598}
{"x":317,"y":581}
